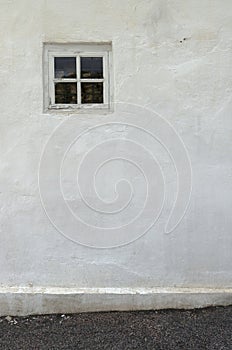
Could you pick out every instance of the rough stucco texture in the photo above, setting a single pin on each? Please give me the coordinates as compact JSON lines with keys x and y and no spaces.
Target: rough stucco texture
{"x":173,"y":57}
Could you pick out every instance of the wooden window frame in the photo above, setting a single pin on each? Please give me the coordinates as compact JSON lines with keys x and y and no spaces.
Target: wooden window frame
{"x":77,"y":50}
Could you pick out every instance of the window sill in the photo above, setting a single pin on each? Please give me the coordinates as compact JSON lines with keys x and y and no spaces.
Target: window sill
{"x":81,"y":109}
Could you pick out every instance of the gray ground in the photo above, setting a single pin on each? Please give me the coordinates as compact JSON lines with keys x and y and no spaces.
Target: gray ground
{"x":170,"y":329}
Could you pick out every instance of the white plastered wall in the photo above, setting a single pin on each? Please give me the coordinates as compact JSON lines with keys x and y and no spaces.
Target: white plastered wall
{"x":173,"y":57}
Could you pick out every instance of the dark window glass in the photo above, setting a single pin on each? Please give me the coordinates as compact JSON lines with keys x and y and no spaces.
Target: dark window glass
{"x":91,"y":92}
{"x":65,"y":67}
{"x":91,"y":67}
{"x":65,"y":93}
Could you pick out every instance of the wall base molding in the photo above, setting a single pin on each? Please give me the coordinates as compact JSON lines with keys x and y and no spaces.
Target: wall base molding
{"x":21,"y":301}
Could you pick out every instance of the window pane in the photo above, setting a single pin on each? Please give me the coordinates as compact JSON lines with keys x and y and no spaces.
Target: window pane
{"x":91,"y":67}
{"x":91,"y":92}
{"x":65,"y":93}
{"x":65,"y":67}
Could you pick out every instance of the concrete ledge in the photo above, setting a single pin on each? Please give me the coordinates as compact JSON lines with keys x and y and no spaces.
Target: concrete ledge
{"x":20,"y":301}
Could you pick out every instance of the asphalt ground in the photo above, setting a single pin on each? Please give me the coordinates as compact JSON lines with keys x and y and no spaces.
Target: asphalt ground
{"x":200,"y":329}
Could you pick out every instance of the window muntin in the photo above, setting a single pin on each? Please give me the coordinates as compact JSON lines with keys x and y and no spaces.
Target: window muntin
{"x":78,"y":73}
{"x":78,"y":76}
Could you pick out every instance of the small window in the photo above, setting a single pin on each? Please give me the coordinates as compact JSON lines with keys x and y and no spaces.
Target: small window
{"x":77,"y":76}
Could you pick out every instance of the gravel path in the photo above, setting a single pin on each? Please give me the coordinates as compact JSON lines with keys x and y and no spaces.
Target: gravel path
{"x":204,"y":329}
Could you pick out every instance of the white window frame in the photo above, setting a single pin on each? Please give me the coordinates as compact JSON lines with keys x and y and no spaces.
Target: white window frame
{"x":76,"y":50}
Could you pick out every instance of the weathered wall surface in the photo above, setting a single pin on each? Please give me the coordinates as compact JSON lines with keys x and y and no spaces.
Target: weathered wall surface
{"x":173,"y":57}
